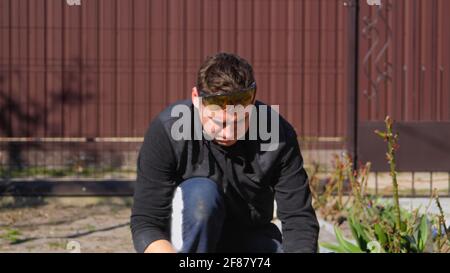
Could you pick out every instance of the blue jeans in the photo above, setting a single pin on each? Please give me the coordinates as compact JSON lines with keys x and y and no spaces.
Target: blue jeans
{"x":202,"y":221}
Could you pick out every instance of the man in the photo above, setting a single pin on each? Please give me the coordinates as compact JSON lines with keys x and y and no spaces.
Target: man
{"x":227,"y":173}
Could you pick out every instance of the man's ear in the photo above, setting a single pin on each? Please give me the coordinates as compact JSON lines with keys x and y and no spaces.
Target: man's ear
{"x":254,"y":98}
{"x":195,"y":97}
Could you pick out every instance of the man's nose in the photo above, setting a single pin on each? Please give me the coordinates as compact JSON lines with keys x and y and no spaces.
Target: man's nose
{"x":228,"y":133}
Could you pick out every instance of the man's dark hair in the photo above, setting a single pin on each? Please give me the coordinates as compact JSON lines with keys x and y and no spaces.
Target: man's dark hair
{"x":224,"y":72}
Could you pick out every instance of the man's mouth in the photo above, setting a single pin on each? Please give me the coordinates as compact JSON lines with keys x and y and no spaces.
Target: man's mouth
{"x":225,"y":142}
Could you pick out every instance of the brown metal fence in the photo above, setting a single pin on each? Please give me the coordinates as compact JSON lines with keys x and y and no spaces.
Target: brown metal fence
{"x":104,"y":68}
{"x":79,"y":84}
{"x":405,"y":61}
{"x":404,"y":72}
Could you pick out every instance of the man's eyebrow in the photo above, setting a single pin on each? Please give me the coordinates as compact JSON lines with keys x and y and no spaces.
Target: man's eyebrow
{"x":224,"y":122}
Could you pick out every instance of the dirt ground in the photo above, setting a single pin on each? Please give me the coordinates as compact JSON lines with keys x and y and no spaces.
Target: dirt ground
{"x":88,"y":225}
{"x":94,"y":224}
{"x":65,"y":225}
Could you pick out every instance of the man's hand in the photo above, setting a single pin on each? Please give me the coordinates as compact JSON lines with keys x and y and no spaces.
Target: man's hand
{"x":160,"y":246}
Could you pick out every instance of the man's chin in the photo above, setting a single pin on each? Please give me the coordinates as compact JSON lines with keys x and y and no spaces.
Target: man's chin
{"x":226,"y":143}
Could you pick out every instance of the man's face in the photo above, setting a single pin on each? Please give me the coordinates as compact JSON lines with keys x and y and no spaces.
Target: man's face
{"x":225,"y":126}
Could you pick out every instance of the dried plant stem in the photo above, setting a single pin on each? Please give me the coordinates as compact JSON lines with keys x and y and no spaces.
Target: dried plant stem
{"x":391,"y":140}
{"x":441,"y":216}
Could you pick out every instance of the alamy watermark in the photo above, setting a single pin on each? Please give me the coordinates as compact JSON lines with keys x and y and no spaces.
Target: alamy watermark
{"x":235,"y":120}
{"x":73,"y":2}
{"x":73,"y":246}
{"x":374,"y":2}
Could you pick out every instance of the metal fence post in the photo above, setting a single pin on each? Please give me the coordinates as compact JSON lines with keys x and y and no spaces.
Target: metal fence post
{"x":352,"y":95}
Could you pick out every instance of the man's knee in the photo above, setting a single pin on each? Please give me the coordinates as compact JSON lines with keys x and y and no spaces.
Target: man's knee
{"x":202,"y":199}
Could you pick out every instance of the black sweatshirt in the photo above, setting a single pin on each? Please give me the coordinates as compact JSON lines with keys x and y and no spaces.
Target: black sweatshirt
{"x":250,"y":178}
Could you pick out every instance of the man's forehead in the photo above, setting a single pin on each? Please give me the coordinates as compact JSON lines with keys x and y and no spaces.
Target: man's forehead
{"x":228,"y":113}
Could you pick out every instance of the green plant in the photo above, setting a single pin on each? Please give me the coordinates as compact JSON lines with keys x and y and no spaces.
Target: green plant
{"x":443,"y":235}
{"x":379,"y":226}
{"x":332,"y":201}
{"x":57,"y":244}
{"x":344,"y":245}
{"x":12,"y":235}
{"x":376,"y":232}
{"x":91,"y":228}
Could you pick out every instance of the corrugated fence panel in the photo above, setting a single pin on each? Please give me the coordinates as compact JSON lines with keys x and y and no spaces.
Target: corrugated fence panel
{"x":416,"y":60}
{"x":341,"y":67}
{"x":141,"y":70}
{"x":16,"y":77}
{"x":105,"y":68}
{"x":443,"y":65}
{"x":54,"y":69}
{"x":90,"y":67}
{"x":158,"y":75}
{"x":123,"y":100}
{"x":4,"y":68}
